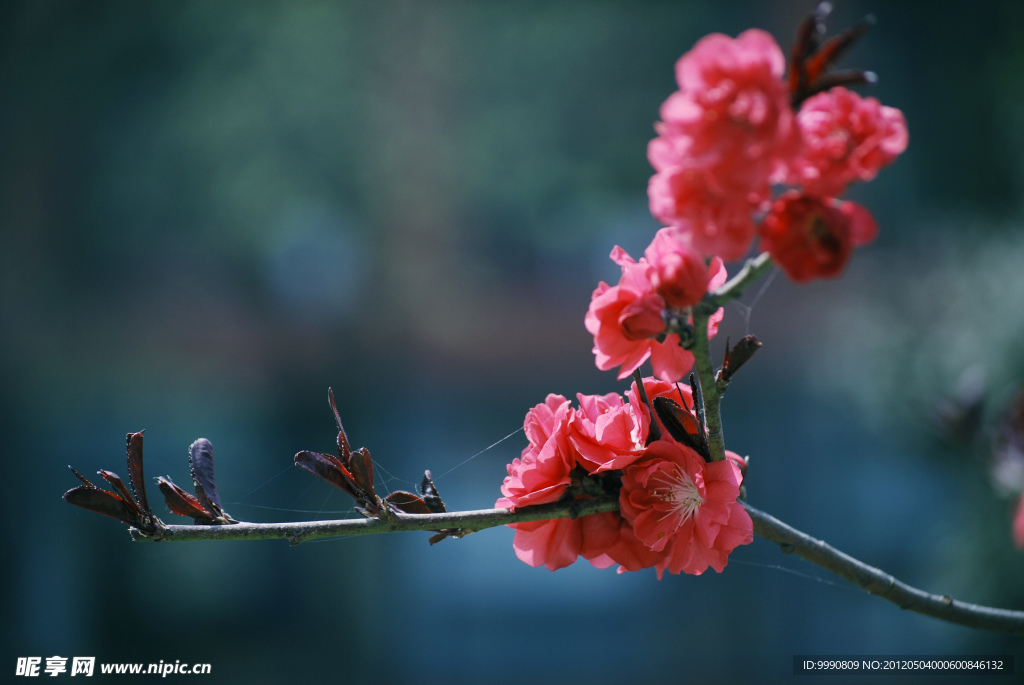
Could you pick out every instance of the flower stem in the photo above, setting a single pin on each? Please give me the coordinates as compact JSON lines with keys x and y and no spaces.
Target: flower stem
{"x":709,"y":388}
{"x":751,"y":271}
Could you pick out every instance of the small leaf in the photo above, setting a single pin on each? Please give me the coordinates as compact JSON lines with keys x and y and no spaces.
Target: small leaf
{"x":736,"y":357}
{"x":407,"y":502}
{"x":327,"y":468}
{"x":832,"y":49}
{"x":183,"y":503}
{"x":135,"y":476}
{"x":344,"y":448}
{"x":82,"y":478}
{"x":430,"y":494}
{"x":200,"y":458}
{"x":361,"y":465}
{"x":102,"y":502}
{"x":121,"y":488}
{"x":680,"y":424}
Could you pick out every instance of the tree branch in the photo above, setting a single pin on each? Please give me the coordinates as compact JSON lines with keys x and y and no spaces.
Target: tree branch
{"x":880,"y":583}
{"x":464,"y":521}
{"x":734,"y":287}
{"x":708,"y":389}
{"x":875,"y":581}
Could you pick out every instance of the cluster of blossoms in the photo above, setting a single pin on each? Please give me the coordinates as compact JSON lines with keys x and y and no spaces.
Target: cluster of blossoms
{"x":728,"y":137}
{"x":677,"y":511}
{"x":730,"y":133}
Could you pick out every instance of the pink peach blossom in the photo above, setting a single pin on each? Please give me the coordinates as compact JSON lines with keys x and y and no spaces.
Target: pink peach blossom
{"x":606,"y":432}
{"x":624,"y":320}
{"x":678,"y":503}
{"x":554,"y":543}
{"x":542,"y":473}
{"x":716,"y":270}
{"x":557,"y":543}
{"x":846,"y":138}
{"x":811,"y":237}
{"x":600,"y":533}
{"x":725,"y":136}
{"x":676,"y":270}
{"x":718,"y":220}
{"x":629,"y":553}
{"x":732,"y":109}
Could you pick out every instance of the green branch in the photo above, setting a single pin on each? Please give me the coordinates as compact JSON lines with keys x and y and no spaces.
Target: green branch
{"x":751,"y":271}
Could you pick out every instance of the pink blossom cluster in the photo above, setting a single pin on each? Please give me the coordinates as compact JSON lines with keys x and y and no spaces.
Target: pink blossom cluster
{"x":677,"y":512}
{"x":638,"y":318}
{"x":730,"y":133}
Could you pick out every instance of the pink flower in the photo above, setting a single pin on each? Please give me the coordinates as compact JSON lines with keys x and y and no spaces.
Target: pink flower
{"x":846,"y":138}
{"x":554,"y":543}
{"x":557,"y":543}
{"x":600,"y":533}
{"x":542,"y":474}
{"x":678,"y":503}
{"x":606,"y":432}
{"x":624,"y":320}
{"x":629,"y":553}
{"x":726,"y":134}
{"x":716,"y":270}
{"x":718,"y":220}
{"x":812,"y":237}
{"x":732,"y":109}
{"x":628,"y":320}
{"x":677,"y":271}
{"x":1018,"y":525}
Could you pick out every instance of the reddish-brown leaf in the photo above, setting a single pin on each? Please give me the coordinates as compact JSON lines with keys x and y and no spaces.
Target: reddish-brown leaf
{"x":184,"y":504}
{"x":680,"y":424}
{"x":361,"y":465}
{"x":430,"y":493}
{"x":344,"y":448}
{"x":121,"y":489}
{"x":135,"y":476}
{"x":407,"y":502}
{"x":102,"y":502}
{"x":327,"y":468}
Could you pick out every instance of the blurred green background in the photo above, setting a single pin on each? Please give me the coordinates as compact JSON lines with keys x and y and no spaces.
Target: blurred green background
{"x":211,"y":212}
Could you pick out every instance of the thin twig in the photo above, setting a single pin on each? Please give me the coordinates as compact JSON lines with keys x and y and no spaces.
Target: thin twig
{"x":880,"y":583}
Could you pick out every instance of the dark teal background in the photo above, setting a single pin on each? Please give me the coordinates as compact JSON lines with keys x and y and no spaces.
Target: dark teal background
{"x":211,"y":212}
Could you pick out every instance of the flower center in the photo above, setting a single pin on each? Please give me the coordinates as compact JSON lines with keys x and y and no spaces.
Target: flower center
{"x":680,"y":492}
